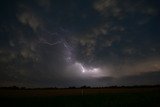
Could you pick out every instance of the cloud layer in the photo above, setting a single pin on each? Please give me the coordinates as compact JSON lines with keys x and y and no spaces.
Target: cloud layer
{"x":50,"y":43}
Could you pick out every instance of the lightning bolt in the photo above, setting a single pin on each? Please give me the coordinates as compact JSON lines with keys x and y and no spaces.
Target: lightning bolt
{"x":48,"y":43}
{"x":61,"y":40}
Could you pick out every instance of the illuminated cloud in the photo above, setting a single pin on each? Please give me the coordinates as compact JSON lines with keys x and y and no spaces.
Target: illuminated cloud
{"x":27,"y":16}
{"x":74,"y":43}
{"x":120,"y":9}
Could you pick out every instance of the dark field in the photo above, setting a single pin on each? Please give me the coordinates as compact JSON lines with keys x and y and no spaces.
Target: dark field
{"x":104,"y":97}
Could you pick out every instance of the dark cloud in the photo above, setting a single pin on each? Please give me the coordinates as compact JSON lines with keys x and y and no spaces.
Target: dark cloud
{"x":44,"y":3}
{"x":74,"y":43}
{"x":28,"y":17}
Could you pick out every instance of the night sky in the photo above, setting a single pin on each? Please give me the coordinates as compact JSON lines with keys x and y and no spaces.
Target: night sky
{"x":62,"y":43}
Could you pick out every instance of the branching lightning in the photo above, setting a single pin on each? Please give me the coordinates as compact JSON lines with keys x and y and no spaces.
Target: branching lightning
{"x":88,"y":71}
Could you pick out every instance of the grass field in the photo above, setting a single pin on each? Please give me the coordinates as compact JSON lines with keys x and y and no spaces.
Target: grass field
{"x":108,"y":97}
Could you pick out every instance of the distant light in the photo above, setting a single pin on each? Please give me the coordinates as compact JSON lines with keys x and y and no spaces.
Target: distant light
{"x":80,"y":66}
{"x":87,"y":70}
{"x":95,"y":70}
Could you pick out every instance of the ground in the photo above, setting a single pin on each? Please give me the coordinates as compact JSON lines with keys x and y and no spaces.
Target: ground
{"x":104,"y":97}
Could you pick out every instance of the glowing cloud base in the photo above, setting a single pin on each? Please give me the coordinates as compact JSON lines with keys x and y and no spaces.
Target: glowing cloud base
{"x":89,"y":71}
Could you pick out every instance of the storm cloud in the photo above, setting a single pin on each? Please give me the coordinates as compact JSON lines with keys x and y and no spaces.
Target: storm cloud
{"x":74,"y":43}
